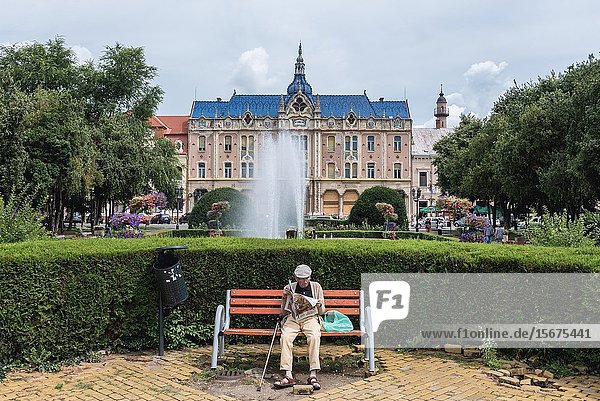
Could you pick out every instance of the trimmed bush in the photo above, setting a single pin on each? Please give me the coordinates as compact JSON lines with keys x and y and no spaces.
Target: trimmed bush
{"x":234,"y":217}
{"x":379,"y":235}
{"x":62,"y":298}
{"x":364,"y":210}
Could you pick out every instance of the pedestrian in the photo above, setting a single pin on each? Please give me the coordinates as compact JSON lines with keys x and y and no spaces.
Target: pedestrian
{"x":302,"y":308}
{"x":488,"y":233}
{"x":499,"y":234}
{"x":428,"y":225}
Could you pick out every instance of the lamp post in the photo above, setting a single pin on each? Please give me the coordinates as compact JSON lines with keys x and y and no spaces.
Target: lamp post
{"x":178,"y":200}
{"x":416,"y":194}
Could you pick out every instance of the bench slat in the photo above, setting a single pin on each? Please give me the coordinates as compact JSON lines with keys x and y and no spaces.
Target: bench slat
{"x":234,"y":310}
{"x":269,"y":332}
{"x":244,"y":292}
{"x":277,"y":302}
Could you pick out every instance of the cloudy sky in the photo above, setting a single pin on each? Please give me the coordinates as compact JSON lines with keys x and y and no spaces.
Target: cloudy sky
{"x":390,"y":48}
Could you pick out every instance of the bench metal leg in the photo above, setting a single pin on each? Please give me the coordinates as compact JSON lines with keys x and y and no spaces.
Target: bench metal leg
{"x":218,"y":340}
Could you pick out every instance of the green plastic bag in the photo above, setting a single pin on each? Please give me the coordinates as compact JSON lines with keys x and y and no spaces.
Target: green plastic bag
{"x":336,"y":322}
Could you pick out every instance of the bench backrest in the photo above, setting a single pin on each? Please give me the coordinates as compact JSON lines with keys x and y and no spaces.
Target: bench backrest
{"x":268,"y":302}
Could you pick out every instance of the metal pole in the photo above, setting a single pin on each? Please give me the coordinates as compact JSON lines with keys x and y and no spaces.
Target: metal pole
{"x":161,"y":327}
{"x":177,"y":222}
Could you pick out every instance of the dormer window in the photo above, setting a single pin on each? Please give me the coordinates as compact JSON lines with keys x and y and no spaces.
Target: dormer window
{"x":247,"y":118}
{"x":351,"y":119}
{"x":299,"y":105}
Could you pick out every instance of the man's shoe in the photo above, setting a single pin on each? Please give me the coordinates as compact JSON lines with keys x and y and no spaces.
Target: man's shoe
{"x":285,"y":382}
{"x":314,"y":382}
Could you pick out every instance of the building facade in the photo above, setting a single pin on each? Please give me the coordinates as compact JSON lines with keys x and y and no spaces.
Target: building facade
{"x":350,"y":143}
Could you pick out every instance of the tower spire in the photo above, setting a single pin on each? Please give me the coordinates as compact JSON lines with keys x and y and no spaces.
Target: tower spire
{"x":441,"y":112}
{"x":299,"y":61}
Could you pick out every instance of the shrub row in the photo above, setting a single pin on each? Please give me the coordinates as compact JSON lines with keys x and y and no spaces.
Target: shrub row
{"x":199,"y":232}
{"x":72,"y":296}
{"x":379,"y":234}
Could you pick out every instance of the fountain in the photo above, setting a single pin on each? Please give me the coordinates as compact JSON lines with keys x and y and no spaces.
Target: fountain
{"x":277,"y":204}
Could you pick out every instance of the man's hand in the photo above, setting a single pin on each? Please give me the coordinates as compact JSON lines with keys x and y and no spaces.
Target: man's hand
{"x":287,"y":291}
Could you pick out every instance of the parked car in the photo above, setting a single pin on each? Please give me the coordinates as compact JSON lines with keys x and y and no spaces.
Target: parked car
{"x":460,"y":222}
{"x":161,"y":218}
{"x":184,"y":219}
{"x":76,"y":217}
{"x":145,"y":218}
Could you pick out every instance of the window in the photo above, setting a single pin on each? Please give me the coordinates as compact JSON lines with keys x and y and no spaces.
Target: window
{"x":244,"y":144}
{"x":371,"y":143}
{"x":370,"y":170}
{"x":331,"y":143}
{"x":179,"y":146}
{"x":351,"y":170}
{"x":228,"y":143}
{"x":227,"y":172}
{"x":398,"y":170}
{"x":247,"y":170}
{"x":397,"y":143}
{"x":250,"y":145}
{"x":201,"y":143}
{"x":330,"y":170}
{"x":351,"y":143}
{"x":201,"y":170}
{"x":422,"y":178}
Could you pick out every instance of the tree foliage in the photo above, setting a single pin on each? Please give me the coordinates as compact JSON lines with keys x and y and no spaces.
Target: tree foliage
{"x":364,"y":209}
{"x":540,"y":146}
{"x":233,"y":217}
{"x":80,"y":131}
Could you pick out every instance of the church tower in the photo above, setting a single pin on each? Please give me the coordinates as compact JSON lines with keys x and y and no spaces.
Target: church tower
{"x":441,"y":111}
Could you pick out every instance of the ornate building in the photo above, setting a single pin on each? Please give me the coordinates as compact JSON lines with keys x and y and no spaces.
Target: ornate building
{"x":350,"y":143}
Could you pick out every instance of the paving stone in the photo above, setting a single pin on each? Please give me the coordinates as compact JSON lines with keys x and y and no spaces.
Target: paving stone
{"x":509,"y":380}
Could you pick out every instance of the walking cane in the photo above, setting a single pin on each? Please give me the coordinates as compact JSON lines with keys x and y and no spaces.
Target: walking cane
{"x":268,"y":356}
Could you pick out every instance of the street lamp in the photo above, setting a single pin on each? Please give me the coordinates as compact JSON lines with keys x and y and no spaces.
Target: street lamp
{"x":416,"y":194}
{"x":178,"y":201}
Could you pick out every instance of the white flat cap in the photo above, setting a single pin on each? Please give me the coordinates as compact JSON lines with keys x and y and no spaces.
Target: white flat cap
{"x":302,"y":271}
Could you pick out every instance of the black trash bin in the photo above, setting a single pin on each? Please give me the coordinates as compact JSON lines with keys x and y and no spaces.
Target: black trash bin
{"x":169,"y":276}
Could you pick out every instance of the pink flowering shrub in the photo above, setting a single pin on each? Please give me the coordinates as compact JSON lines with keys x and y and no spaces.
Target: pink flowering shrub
{"x":456,"y":207}
{"x":148,"y":202}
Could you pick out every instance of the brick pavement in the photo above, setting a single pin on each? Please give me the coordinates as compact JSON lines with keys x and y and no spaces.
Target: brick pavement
{"x":147,"y":377}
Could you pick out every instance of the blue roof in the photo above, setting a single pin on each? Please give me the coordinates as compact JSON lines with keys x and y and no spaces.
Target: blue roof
{"x":259,"y":105}
{"x":391,"y":108}
{"x":331,"y":105}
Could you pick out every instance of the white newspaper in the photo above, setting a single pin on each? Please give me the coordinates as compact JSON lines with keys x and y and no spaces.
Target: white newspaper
{"x":301,"y":306}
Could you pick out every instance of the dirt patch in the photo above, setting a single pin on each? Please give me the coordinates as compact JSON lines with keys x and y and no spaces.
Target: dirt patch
{"x":245,"y":389}
{"x":335,"y":372}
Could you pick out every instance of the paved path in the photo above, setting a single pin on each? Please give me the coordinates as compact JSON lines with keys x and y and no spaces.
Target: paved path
{"x":148,"y":377}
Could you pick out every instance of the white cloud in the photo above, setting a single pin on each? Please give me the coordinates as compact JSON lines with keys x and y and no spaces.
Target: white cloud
{"x":82,"y":54}
{"x":251,"y":74}
{"x":484,"y":83}
{"x":485,"y":69}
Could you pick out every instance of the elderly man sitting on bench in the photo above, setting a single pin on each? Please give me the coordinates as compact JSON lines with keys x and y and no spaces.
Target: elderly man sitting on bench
{"x":301,"y":314}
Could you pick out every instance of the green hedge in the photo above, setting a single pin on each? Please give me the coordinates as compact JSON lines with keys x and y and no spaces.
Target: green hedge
{"x":200,"y":233}
{"x":379,"y":235}
{"x":71,"y":296}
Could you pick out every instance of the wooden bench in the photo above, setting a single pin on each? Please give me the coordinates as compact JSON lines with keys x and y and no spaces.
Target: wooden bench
{"x":268,"y":302}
